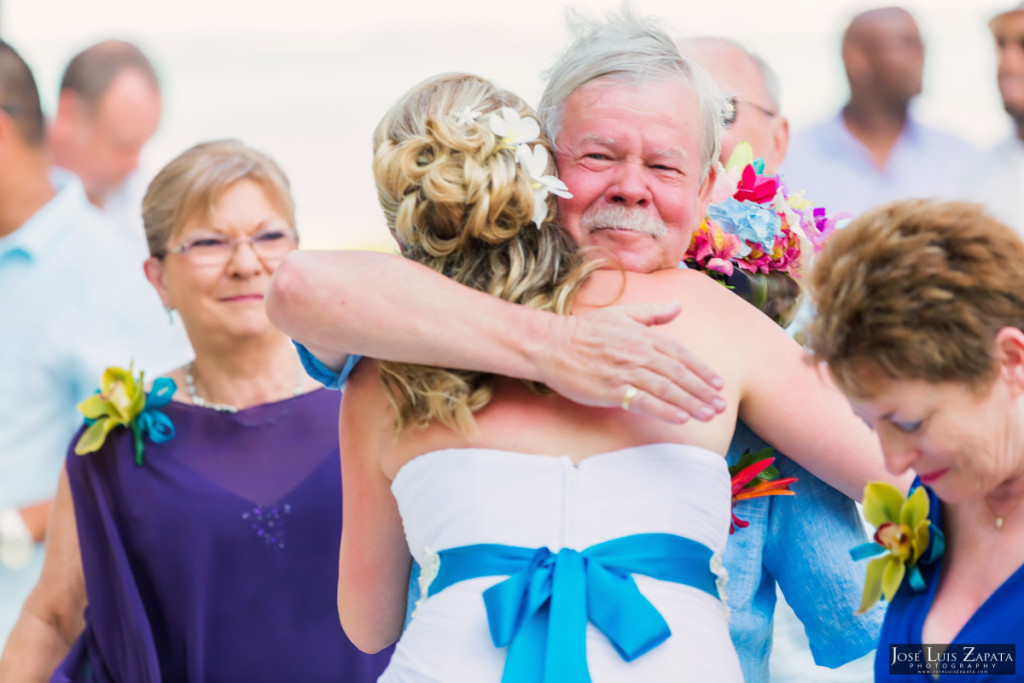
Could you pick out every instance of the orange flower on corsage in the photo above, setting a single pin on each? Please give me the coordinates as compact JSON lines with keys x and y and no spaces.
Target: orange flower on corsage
{"x":903,"y":534}
{"x":122,"y":402}
{"x":754,"y":476}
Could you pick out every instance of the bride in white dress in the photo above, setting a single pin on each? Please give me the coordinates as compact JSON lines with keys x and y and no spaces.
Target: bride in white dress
{"x":557,"y":542}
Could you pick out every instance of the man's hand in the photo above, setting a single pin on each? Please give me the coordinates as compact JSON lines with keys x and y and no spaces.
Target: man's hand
{"x":595,"y":357}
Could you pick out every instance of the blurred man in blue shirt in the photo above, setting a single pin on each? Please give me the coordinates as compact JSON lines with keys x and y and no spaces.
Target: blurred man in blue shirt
{"x":73,"y":301}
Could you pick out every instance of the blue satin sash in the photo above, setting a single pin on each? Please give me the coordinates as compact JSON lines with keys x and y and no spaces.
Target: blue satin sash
{"x":541,"y":611}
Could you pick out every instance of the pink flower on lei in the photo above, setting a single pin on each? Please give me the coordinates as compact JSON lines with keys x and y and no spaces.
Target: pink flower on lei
{"x":714,"y":249}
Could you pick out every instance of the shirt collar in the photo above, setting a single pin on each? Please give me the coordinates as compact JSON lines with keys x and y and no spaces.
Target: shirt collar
{"x":911,"y":132}
{"x":843,"y":138}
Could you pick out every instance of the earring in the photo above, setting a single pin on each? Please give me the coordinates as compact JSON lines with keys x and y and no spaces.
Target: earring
{"x":170,"y":314}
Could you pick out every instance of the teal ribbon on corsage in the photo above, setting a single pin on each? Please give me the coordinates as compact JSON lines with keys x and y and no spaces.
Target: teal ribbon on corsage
{"x":541,"y":611}
{"x":152,"y":422}
{"x":938,"y":546}
{"x":121,"y":401}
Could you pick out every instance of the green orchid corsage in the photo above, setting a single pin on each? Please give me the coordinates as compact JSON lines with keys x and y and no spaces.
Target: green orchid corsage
{"x":121,"y":401}
{"x":904,"y":532}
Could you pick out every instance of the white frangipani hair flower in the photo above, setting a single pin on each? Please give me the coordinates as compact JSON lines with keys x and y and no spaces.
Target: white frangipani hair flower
{"x":512,"y":129}
{"x":534,"y":160}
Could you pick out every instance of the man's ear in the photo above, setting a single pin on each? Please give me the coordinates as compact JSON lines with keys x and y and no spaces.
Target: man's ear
{"x":68,"y":106}
{"x":1009,"y":355}
{"x":858,"y":68}
{"x":154,"y":269}
{"x":706,"y":187}
{"x":780,"y":140}
{"x":6,"y":128}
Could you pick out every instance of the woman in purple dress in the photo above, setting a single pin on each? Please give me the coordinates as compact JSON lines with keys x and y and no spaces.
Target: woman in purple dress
{"x":210,"y":555}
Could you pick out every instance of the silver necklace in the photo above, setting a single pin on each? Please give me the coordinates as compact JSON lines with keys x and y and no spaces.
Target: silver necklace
{"x":190,"y":388}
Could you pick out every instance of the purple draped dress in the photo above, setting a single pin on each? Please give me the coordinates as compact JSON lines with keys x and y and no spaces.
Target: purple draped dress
{"x":217,"y":559}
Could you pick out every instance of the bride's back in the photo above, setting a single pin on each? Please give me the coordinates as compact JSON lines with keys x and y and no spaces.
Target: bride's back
{"x":715,"y":324}
{"x":542,"y":472}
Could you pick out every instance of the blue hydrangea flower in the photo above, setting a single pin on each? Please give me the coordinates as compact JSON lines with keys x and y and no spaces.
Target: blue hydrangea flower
{"x":747,"y":220}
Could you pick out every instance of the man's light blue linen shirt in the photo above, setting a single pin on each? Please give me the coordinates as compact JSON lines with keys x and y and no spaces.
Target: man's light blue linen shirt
{"x":72,"y":302}
{"x":839,"y":173}
{"x":802,"y":542}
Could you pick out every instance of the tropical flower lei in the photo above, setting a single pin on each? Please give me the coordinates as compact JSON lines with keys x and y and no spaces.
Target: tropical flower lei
{"x":754,"y":476}
{"x":906,"y":536}
{"x":122,"y":402}
{"x":754,"y":224}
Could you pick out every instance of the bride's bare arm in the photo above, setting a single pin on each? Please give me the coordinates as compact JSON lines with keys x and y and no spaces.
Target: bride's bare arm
{"x":374,"y":561}
{"x":387,"y":307}
{"x":794,"y":406}
{"x":786,"y":401}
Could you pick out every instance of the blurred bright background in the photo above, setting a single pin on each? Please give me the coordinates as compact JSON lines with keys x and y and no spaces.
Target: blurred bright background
{"x":307,"y":80}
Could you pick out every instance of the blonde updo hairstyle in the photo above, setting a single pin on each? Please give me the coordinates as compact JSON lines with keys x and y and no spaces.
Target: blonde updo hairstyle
{"x":457,"y":201}
{"x":190,"y":184}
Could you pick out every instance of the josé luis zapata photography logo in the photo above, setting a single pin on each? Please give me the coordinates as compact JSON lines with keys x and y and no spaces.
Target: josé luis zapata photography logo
{"x":955,"y":659}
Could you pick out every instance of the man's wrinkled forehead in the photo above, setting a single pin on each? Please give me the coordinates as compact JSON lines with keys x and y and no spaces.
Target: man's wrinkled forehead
{"x":614,"y":144}
{"x":588,"y":97}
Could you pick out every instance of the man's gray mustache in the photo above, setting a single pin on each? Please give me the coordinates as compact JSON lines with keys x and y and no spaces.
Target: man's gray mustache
{"x":624,"y":218}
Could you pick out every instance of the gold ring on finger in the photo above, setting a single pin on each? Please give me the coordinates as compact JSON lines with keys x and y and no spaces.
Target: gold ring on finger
{"x":630,"y":394}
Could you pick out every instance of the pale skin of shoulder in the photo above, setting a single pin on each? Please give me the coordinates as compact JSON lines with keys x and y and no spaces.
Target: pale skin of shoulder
{"x":768,"y":384}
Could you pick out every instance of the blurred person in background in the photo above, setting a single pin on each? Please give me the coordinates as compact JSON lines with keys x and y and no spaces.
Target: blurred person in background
{"x":74,"y":300}
{"x":811,"y":638}
{"x":997,"y":177}
{"x":754,"y":112}
{"x":108,"y":108}
{"x":210,"y":555}
{"x":874,"y":150}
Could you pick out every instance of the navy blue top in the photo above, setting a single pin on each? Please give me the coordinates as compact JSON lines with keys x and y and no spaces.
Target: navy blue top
{"x":1000,"y":620}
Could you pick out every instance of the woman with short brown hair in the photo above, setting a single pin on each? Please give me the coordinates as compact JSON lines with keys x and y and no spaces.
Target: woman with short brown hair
{"x":921,"y":321}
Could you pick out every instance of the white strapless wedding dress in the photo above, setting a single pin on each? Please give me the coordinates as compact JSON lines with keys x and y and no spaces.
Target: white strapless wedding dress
{"x":459,"y":497}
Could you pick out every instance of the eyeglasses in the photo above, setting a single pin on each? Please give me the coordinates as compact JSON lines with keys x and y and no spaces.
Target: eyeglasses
{"x":732,"y":107}
{"x":270,"y":245}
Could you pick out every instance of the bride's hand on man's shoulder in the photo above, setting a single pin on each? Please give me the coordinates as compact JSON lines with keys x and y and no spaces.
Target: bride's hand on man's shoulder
{"x":596,"y":357}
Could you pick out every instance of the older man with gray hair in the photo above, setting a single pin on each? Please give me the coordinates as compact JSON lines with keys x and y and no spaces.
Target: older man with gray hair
{"x":640,"y":175}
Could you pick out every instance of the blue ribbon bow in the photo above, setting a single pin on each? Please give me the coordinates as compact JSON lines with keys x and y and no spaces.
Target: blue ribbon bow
{"x":541,"y":611}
